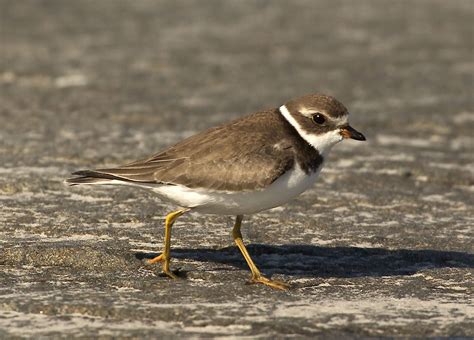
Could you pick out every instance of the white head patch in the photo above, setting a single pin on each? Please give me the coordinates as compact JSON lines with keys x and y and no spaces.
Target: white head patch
{"x":323,"y":142}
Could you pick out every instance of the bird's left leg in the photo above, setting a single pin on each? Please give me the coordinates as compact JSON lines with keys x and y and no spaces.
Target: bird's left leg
{"x":164,"y":257}
{"x":257,"y":277}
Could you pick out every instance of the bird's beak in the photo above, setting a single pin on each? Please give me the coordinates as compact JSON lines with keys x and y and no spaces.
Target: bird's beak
{"x":349,"y":132}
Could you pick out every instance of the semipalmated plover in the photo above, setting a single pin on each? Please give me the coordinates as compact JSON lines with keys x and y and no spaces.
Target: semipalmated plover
{"x":254,"y":163}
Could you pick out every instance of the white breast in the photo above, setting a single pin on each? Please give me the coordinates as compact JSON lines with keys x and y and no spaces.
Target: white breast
{"x":291,"y":184}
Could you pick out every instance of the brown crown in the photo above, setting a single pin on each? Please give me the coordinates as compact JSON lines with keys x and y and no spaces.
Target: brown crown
{"x":318,"y":102}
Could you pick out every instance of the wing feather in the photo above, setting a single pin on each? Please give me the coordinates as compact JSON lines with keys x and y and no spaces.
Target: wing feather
{"x":246,"y":154}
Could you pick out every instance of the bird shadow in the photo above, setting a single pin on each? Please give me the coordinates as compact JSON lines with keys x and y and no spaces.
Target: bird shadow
{"x":317,"y":261}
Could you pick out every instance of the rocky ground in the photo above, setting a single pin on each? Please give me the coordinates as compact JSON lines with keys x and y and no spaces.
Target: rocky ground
{"x":381,"y":246}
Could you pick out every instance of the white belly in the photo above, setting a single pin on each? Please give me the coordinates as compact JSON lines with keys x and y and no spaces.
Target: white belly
{"x":291,"y":184}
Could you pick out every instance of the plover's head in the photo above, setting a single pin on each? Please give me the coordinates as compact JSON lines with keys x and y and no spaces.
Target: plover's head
{"x":321,"y":120}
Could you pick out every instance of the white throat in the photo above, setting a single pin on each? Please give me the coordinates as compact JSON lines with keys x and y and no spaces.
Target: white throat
{"x":323,"y":143}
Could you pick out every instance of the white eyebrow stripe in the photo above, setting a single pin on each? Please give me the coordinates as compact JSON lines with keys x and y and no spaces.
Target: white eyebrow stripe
{"x":323,"y":143}
{"x":306,"y":112}
{"x":340,"y":120}
{"x":337,"y":121}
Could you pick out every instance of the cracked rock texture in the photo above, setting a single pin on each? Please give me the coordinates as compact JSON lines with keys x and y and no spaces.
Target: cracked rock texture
{"x":382,"y":245}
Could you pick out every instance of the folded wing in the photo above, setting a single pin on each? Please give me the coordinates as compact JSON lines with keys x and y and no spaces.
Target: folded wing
{"x":236,"y":156}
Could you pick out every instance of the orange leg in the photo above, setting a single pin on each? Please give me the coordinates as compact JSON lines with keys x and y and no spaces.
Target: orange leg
{"x":257,"y":277}
{"x":164,"y":257}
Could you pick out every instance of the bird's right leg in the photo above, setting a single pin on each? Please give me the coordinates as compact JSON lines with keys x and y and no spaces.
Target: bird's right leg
{"x":164,"y":257}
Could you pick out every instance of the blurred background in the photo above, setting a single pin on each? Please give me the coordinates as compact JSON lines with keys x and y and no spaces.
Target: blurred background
{"x":99,"y":83}
{"x":92,"y":68}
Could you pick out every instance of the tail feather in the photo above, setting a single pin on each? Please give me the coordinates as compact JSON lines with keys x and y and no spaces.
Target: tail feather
{"x":93,"y":177}
{"x":84,"y":180}
{"x":137,"y":172}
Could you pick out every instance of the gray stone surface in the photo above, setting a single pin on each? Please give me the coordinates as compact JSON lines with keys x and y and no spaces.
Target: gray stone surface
{"x":381,"y":246}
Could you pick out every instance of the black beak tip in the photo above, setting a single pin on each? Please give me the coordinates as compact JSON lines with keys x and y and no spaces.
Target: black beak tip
{"x":359,"y":136}
{"x":350,"y":132}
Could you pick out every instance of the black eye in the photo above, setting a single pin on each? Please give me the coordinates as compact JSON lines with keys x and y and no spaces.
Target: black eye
{"x":318,"y":119}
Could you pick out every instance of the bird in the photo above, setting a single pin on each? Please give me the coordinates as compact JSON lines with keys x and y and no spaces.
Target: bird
{"x":254,"y":163}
